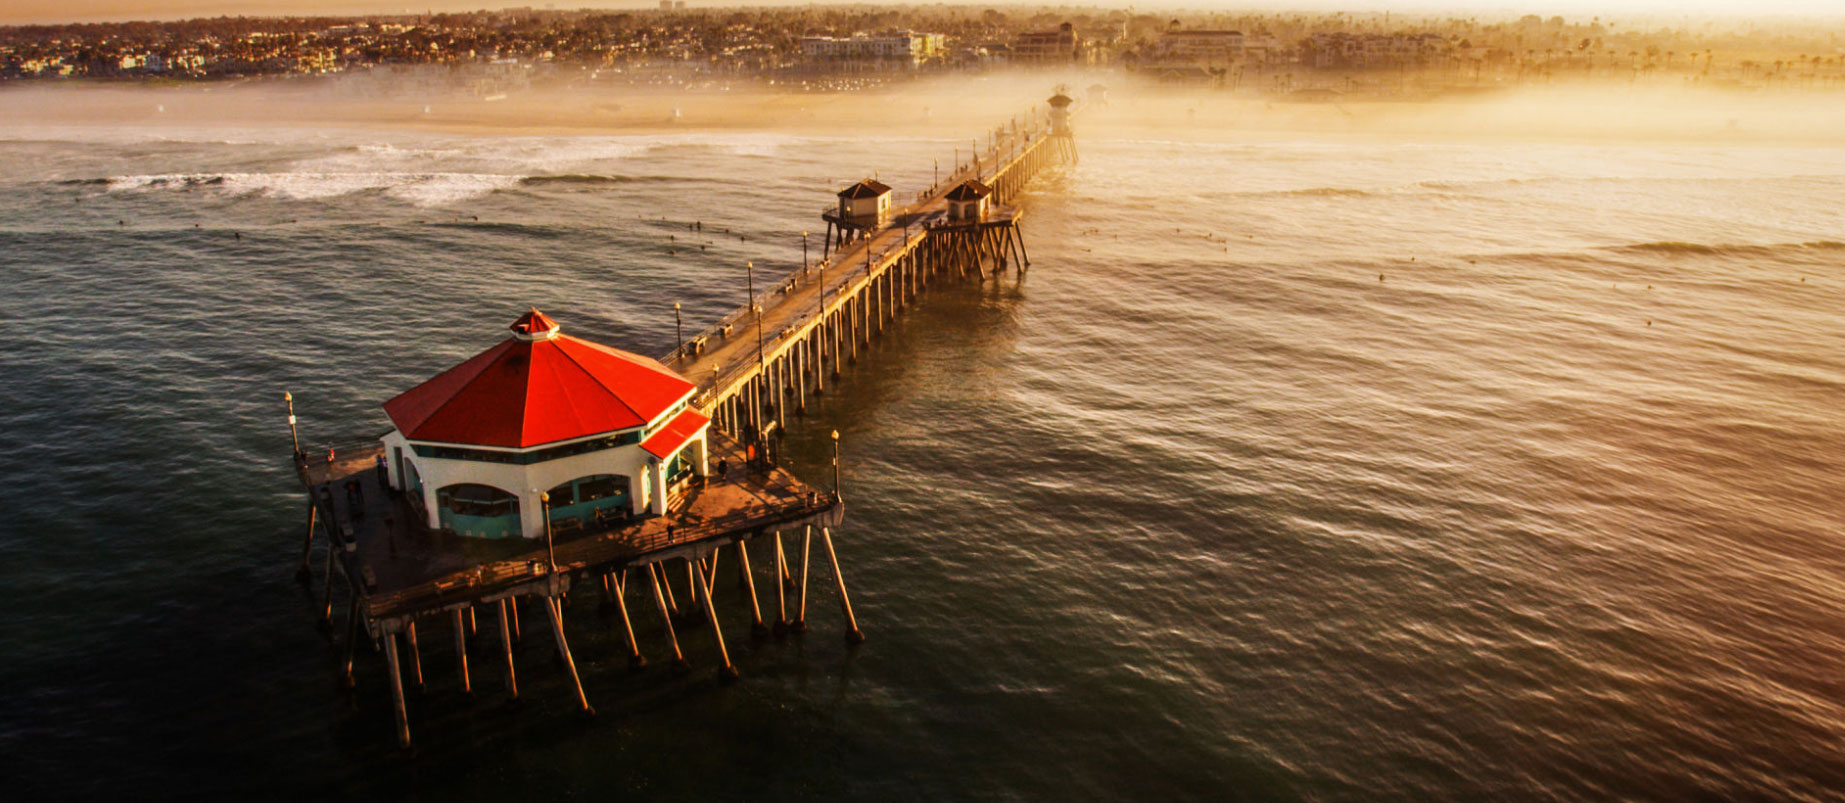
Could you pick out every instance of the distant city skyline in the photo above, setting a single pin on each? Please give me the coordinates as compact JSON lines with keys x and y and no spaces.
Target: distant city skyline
{"x":56,"y":11}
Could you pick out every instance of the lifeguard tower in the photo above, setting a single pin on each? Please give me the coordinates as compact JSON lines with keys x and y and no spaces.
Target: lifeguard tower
{"x":1060,"y":114}
{"x":967,"y":202}
{"x":863,"y":207}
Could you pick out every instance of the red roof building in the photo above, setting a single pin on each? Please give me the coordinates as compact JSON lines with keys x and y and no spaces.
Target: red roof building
{"x":597,"y":428}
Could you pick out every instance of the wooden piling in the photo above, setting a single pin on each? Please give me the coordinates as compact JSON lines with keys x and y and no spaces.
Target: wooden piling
{"x":781,"y":587}
{"x":671,"y":603}
{"x":397,"y":690}
{"x":305,"y":574}
{"x":553,"y":607}
{"x":653,"y":573}
{"x":326,"y":602}
{"x":800,"y":616}
{"x":749,"y":585}
{"x":461,"y":653}
{"x":416,"y":654}
{"x":352,"y":642}
{"x":853,"y":634}
{"x":635,"y":659}
{"x":512,"y":678}
{"x":726,"y":672}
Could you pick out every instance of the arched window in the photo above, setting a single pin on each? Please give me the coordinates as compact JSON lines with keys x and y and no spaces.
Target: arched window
{"x":587,"y":502}
{"x":478,"y":511}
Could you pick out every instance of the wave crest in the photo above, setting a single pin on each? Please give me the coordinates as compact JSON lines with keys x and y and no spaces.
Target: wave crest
{"x":422,"y":189}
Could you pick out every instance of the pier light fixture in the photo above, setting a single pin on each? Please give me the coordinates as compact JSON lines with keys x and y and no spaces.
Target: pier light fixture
{"x":761,"y":359}
{"x":544,"y":504}
{"x":293,"y":435}
{"x":803,"y":253}
{"x":679,"y":332}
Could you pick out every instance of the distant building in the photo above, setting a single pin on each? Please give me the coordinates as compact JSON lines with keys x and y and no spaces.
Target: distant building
{"x":1060,"y":46}
{"x":904,"y":47}
{"x":1373,"y":50}
{"x":1201,"y":47}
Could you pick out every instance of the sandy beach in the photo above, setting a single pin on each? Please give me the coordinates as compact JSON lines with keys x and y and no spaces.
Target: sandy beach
{"x":951,"y":109}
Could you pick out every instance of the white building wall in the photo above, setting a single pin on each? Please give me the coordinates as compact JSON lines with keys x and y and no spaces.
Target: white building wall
{"x":644,"y":472}
{"x":865,"y":207}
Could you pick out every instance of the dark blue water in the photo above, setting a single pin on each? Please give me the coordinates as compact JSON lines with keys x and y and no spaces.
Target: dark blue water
{"x":1290,"y":470}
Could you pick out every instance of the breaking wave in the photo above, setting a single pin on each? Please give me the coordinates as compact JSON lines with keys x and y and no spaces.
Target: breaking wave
{"x":421,"y":189}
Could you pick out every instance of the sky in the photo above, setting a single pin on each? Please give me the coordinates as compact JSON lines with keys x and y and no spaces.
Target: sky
{"x":43,"y":11}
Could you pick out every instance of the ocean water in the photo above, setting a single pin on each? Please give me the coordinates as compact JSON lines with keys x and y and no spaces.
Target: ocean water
{"x":1291,"y":469}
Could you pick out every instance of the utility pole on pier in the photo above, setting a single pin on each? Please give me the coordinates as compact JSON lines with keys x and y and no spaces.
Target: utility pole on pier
{"x":544,"y":504}
{"x":762,"y":370}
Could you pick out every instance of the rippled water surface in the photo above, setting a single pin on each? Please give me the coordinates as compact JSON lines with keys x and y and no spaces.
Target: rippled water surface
{"x":1326,"y":470}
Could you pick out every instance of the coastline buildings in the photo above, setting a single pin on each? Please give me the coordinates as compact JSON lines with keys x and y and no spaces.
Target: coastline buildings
{"x":1344,"y":50}
{"x":1201,"y":47}
{"x":797,"y":47}
{"x":908,"y":49}
{"x":1060,"y":46}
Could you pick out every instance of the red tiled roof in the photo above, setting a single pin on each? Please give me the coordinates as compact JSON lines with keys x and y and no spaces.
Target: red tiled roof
{"x":676,"y":432}
{"x":523,"y":393}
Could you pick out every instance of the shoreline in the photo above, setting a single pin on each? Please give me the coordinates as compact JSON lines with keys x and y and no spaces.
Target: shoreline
{"x":949,"y":110}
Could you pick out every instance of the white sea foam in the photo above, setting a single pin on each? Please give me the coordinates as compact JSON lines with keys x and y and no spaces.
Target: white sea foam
{"x":422,"y":189}
{"x":533,"y":154}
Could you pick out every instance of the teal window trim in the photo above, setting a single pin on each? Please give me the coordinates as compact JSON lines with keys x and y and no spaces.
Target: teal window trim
{"x":616,"y":440}
{"x":665,"y":419}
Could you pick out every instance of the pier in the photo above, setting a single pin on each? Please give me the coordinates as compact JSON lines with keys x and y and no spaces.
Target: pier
{"x":442,"y":520}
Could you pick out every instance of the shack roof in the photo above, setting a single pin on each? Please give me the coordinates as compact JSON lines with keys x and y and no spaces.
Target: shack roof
{"x":969,"y":190}
{"x":868,"y":188}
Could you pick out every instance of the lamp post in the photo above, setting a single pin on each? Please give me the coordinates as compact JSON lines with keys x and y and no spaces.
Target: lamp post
{"x":762,"y":371}
{"x":544,"y":505}
{"x":836,"y":464}
{"x":679,"y":332}
{"x":293,"y":435}
{"x":803,"y":253}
